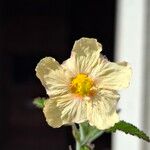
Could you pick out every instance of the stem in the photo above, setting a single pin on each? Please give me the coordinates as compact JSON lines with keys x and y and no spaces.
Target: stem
{"x":78,"y":145}
{"x":82,"y":132}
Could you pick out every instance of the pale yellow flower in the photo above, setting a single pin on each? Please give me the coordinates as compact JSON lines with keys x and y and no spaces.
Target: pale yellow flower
{"x":84,"y":87}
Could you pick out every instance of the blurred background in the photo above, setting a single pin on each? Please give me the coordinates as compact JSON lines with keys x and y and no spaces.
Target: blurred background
{"x":31,"y":30}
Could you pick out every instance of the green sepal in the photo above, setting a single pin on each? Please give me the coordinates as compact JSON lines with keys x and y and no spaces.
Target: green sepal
{"x":85,"y":147}
{"x":39,"y":102}
{"x":89,"y":133}
{"x":128,"y":128}
{"x":75,"y":133}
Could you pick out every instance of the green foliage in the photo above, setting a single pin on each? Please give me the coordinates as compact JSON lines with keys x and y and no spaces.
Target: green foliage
{"x":85,"y":147}
{"x":75,"y":132}
{"x":89,"y":133}
{"x":85,"y":135}
{"x":39,"y":102}
{"x":129,"y":129}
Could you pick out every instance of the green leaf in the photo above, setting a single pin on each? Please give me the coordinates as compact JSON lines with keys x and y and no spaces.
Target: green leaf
{"x":128,"y":128}
{"x":39,"y":102}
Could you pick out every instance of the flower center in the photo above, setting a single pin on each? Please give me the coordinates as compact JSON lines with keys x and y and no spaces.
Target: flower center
{"x":81,"y":85}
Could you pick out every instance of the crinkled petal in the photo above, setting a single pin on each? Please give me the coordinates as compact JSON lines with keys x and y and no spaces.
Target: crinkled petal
{"x":45,"y":66}
{"x":84,"y":57}
{"x":80,"y":64}
{"x":52,"y":113}
{"x":64,"y":109}
{"x":109,"y":75}
{"x":86,"y":45}
{"x":73,"y":109}
{"x":53,"y":77}
{"x":101,"y":110}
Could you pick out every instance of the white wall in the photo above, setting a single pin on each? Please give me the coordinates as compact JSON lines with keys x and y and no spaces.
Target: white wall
{"x":131,"y":37}
{"x":146,"y":146}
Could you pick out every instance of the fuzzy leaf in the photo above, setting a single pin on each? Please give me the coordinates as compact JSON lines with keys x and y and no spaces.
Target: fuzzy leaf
{"x":128,"y":128}
{"x":39,"y":102}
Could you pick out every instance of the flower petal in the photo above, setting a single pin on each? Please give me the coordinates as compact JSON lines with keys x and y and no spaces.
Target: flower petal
{"x":86,"y":45}
{"x":73,"y":110}
{"x":101,"y":110}
{"x":111,"y":75}
{"x":52,"y":113}
{"x":45,"y":66}
{"x":84,"y":56}
{"x":53,"y":77}
{"x":64,"y":110}
{"x":80,"y":64}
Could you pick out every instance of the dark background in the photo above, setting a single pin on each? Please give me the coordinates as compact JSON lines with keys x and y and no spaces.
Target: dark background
{"x":29,"y":31}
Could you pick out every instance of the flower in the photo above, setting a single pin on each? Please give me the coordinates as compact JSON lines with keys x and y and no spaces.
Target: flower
{"x":84,"y":87}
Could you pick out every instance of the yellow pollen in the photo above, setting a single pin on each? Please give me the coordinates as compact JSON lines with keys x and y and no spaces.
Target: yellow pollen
{"x":81,"y":85}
